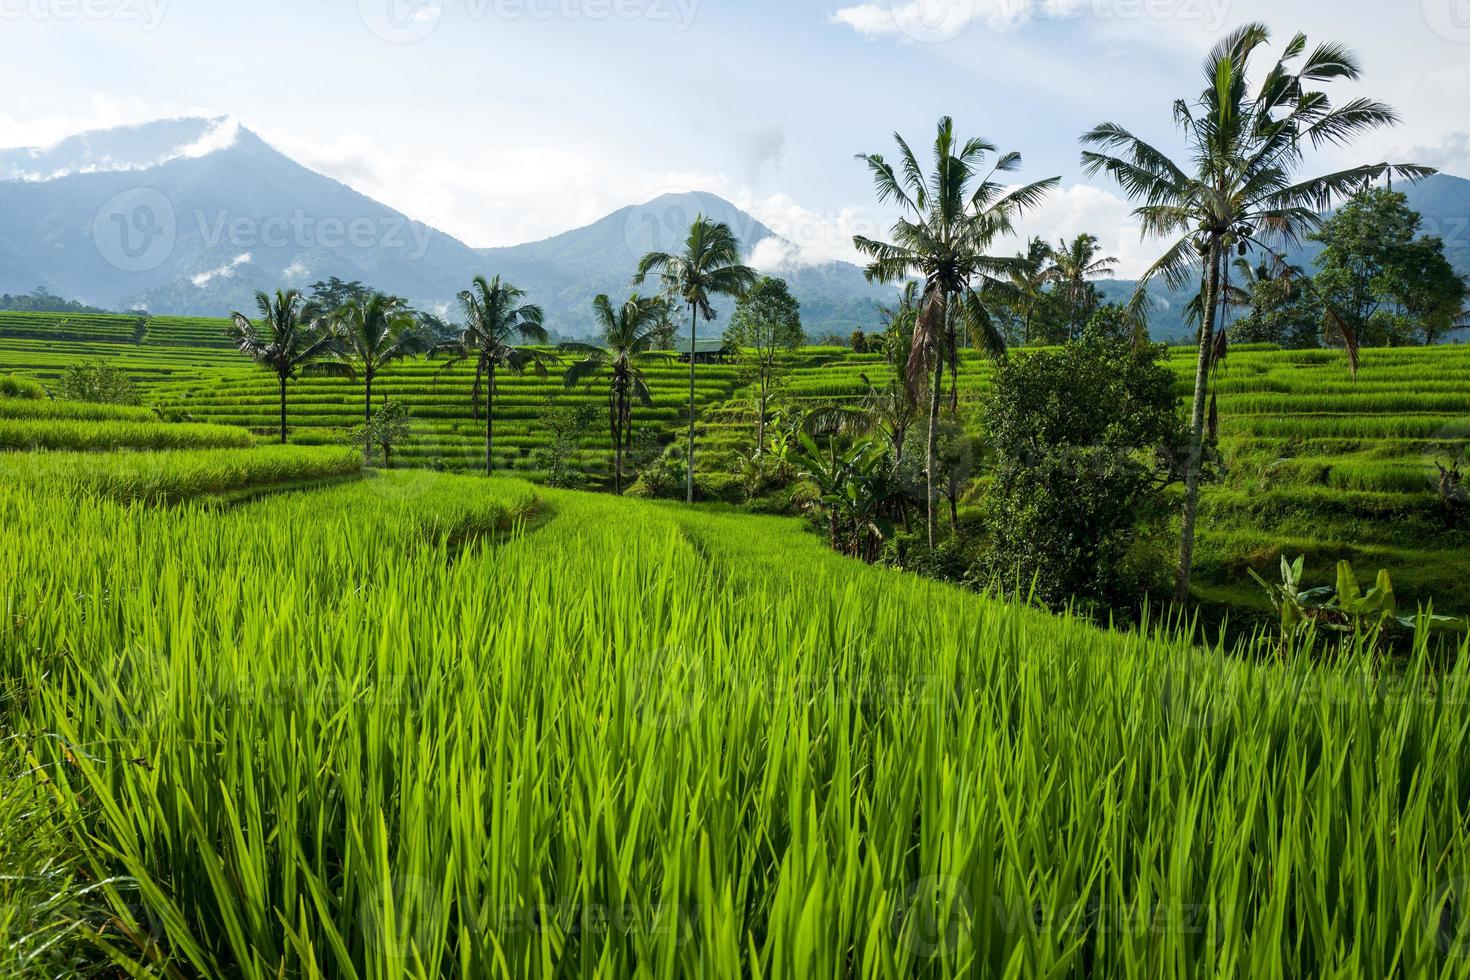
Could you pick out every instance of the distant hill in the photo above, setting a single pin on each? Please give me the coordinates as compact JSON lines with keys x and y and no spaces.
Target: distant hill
{"x":191,"y":216}
{"x":1443,"y":200}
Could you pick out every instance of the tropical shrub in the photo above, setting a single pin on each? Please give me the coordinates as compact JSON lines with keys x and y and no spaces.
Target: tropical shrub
{"x":1084,"y":440}
{"x":97,"y":381}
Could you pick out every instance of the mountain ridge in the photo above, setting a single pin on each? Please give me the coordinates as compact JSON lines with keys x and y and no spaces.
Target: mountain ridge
{"x":191,"y":216}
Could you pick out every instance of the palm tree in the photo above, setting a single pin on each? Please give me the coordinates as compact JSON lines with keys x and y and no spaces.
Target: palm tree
{"x":1074,"y":263}
{"x":1028,"y":278}
{"x":375,"y":331}
{"x":496,"y":315}
{"x":289,"y":341}
{"x":1240,"y":188}
{"x":628,"y":335}
{"x":948,"y":222}
{"x":709,"y":266}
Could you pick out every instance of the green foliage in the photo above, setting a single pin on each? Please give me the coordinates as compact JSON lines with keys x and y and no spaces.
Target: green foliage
{"x":97,"y":381}
{"x":334,"y":293}
{"x":1084,"y":440}
{"x":565,"y":427}
{"x":1342,"y":608}
{"x":1284,"y":308}
{"x":12,"y":387}
{"x":1392,"y":285}
{"x":386,"y":429}
{"x":439,"y":747}
{"x":853,"y":485}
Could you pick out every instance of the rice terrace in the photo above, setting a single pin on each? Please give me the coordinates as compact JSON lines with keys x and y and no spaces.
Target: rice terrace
{"x":975,"y":573}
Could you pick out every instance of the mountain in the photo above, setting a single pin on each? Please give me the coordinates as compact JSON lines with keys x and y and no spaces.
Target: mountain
{"x":1442,"y":200}
{"x":565,"y":272}
{"x":192,"y":216}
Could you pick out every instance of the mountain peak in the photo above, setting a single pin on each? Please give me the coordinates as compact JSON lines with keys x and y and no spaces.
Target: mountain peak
{"x":123,"y":148}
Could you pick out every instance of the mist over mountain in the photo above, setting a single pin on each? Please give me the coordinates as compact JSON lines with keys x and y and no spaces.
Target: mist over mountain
{"x":192,"y":216}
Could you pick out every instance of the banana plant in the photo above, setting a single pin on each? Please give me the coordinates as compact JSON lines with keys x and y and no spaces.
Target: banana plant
{"x":1341,"y":608}
{"x":853,"y":485}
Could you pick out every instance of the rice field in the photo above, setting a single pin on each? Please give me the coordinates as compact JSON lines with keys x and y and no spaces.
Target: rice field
{"x":1309,"y":457}
{"x":264,"y":714}
{"x":427,"y":726}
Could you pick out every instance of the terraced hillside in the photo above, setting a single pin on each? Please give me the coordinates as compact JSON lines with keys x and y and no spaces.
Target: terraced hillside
{"x":1312,"y":461}
{"x":161,"y":331}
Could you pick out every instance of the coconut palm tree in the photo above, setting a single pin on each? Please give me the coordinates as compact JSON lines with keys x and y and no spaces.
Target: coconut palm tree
{"x":629,"y":334}
{"x":496,"y":316}
{"x":1240,"y":187}
{"x":1028,"y":278}
{"x":708,"y":266}
{"x":290,"y":340}
{"x":949,"y":220}
{"x":375,"y":331}
{"x":1074,"y":264}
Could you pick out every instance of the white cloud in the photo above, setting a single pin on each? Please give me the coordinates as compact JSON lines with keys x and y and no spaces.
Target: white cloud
{"x":221,"y":135}
{"x":223,"y":272}
{"x":941,"y":20}
{"x":811,"y":237}
{"x":101,"y":112}
{"x":1071,"y":210}
{"x":1451,"y":154}
{"x":297,"y":271}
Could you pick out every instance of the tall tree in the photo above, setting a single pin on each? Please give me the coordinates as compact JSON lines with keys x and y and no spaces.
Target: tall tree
{"x":709,"y":266}
{"x":628,"y":335}
{"x":334,"y":293}
{"x":1391,"y":284}
{"x":1028,"y":278}
{"x":289,"y":340}
{"x":1240,"y":188}
{"x":496,"y":316}
{"x":766,"y":325}
{"x":1074,"y":265}
{"x":376,"y":330}
{"x":1282,"y":306}
{"x":949,"y":219}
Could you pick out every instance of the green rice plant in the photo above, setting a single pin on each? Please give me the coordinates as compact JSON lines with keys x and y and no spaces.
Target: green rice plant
{"x":25,"y":408}
{"x":12,"y":387}
{"x":172,"y":476}
{"x":317,"y":736}
{"x":94,"y":436}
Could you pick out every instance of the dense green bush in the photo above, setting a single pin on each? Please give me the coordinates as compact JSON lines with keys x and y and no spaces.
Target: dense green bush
{"x":1084,"y":440}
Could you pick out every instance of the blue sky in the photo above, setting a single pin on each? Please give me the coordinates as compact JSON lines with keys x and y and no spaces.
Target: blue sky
{"x":503,"y":121}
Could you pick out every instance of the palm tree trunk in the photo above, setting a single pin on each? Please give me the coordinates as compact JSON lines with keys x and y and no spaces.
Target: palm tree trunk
{"x":283,"y":409}
{"x":367,"y":415}
{"x":617,"y":433}
{"x":1197,"y":423}
{"x":760,"y":422}
{"x":490,"y":422}
{"x":936,"y":395}
{"x":693,"y":338}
